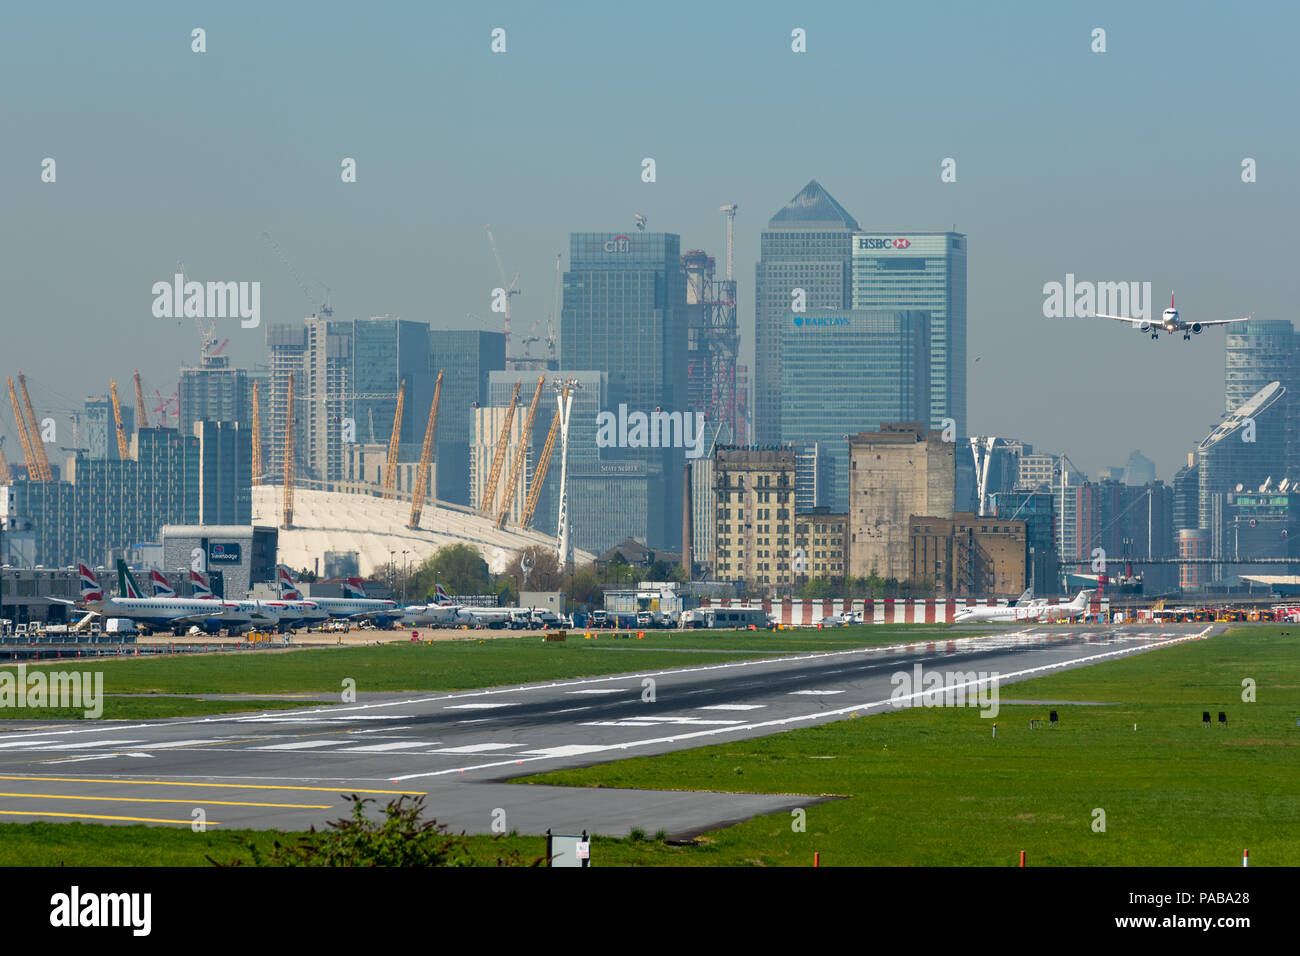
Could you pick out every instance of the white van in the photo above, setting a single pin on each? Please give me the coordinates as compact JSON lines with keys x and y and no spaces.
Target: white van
{"x":120,"y":625}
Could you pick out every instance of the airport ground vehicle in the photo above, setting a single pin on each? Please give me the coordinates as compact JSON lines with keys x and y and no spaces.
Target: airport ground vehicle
{"x":720,"y":618}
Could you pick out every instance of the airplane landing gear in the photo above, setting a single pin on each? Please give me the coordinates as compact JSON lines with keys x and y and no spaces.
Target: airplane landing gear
{"x":1187,"y":337}
{"x":1154,"y":336}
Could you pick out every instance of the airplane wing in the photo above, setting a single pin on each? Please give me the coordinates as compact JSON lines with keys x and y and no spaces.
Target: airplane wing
{"x":1246,"y":318}
{"x":1135,"y":323}
{"x":378,"y":612}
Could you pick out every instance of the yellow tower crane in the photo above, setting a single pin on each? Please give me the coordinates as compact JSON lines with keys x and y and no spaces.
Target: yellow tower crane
{"x":123,"y":448}
{"x":38,"y":446}
{"x":489,"y":500}
{"x":517,"y":466}
{"x":33,"y":467}
{"x":288,"y":456}
{"x":257,"y":433}
{"x":390,"y":471}
{"x":539,"y":473}
{"x":426,"y":457}
{"x":141,"y":419}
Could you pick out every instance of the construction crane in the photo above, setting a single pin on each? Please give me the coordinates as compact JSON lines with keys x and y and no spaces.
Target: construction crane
{"x":288,"y":457}
{"x":141,"y":419}
{"x":426,"y":457}
{"x":521,"y":448}
{"x":123,"y":448}
{"x":6,"y":476}
{"x":390,"y":471}
{"x":38,"y":446}
{"x":510,"y":290}
{"x":257,"y":433}
{"x":539,"y":473}
{"x":163,"y":404}
{"x":208,"y":330}
{"x":33,"y":468}
{"x":324,"y":309}
{"x":498,"y":459}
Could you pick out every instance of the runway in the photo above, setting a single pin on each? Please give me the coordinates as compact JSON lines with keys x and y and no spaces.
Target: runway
{"x":287,"y":769}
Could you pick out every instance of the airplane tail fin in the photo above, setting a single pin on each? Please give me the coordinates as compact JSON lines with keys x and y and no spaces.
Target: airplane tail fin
{"x":1171,"y":300}
{"x":1026,"y":597}
{"x":443,"y":597}
{"x":1083,"y":597}
{"x":288,"y":587}
{"x":199,"y":583}
{"x":125,"y":582}
{"x":90,"y":587}
{"x":353,"y":588}
{"x":160,"y":586}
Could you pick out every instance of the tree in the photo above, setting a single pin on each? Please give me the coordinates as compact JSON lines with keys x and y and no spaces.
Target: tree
{"x":459,"y":568}
{"x":584,"y":587}
{"x":618,"y":573}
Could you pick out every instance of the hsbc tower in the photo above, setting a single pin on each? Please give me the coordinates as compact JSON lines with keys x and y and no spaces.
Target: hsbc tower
{"x":922,"y":270}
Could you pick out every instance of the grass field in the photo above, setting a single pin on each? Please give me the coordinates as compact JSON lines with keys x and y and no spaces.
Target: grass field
{"x":932,"y":786}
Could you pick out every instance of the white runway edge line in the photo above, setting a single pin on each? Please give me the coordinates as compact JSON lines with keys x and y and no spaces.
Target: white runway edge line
{"x":820,"y":715}
{"x":1046,"y":638}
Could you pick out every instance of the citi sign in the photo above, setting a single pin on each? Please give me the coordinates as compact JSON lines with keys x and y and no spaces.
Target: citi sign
{"x":873,"y":242}
{"x":619,"y":244}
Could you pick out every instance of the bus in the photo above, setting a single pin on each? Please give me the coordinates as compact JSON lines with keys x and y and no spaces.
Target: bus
{"x":721,"y":618}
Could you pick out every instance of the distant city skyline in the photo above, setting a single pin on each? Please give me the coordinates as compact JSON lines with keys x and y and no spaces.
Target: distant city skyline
{"x":1127,"y":172}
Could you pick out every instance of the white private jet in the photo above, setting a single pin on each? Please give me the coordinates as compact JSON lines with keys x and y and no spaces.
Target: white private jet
{"x":1030,"y":611}
{"x":1171,"y":323}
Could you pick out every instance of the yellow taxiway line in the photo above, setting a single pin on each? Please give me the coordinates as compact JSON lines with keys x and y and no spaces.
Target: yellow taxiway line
{"x":186,"y":783}
{"x":223,"y":803}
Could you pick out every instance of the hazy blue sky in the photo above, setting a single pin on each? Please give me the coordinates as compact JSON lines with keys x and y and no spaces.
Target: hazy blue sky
{"x":1117,"y":166}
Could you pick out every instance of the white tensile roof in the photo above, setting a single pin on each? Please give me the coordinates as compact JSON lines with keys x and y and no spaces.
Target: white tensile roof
{"x":372,"y":527}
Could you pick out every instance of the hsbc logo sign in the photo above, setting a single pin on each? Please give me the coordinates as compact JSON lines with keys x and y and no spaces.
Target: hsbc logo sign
{"x":876,"y":242}
{"x":619,"y":244}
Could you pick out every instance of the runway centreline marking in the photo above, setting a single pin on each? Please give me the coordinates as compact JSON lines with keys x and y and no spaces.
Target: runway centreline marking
{"x":185,"y":783}
{"x":821,"y":715}
{"x":223,"y":803}
{"x":99,"y":816}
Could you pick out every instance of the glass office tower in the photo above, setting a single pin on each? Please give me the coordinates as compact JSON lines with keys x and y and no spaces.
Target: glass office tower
{"x":847,"y":371}
{"x":806,"y":246}
{"x":922,"y":270}
{"x":624,"y":313}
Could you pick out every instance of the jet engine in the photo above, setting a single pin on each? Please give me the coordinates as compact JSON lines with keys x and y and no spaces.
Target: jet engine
{"x":1145,"y":327}
{"x":1196,"y":328}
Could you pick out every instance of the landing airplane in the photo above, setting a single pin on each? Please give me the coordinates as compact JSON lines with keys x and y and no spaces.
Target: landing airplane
{"x":1171,"y":323}
{"x":1031,"y":611}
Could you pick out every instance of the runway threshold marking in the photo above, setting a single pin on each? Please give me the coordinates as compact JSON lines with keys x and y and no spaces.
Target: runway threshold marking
{"x":223,"y":803}
{"x":186,"y":783}
{"x":98,"y":816}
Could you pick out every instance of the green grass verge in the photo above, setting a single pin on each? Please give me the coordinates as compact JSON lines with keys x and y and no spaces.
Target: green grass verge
{"x":932,"y":786}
